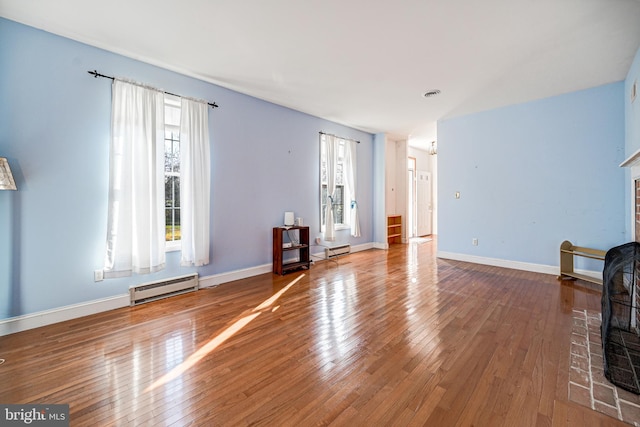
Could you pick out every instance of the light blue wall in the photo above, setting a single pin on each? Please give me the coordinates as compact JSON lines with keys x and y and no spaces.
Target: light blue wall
{"x":533,"y":175}
{"x":632,"y":132}
{"x":55,"y":122}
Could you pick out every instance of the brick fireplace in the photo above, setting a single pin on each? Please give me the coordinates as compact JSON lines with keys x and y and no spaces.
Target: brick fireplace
{"x":589,"y":385}
{"x":620,"y":328}
{"x":633,"y":163}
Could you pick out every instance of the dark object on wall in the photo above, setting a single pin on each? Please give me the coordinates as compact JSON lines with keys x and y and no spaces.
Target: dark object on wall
{"x":620,"y":321}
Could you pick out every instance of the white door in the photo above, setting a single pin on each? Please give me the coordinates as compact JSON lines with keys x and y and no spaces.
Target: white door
{"x":411,"y":205}
{"x":423,"y":205}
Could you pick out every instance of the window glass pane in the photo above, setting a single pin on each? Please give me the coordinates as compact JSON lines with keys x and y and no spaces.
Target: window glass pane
{"x":171,"y":110}
{"x":176,"y":224}
{"x":168,"y":215}
{"x":323,"y":204}
{"x":172,"y":167}
{"x":339,"y":195}
{"x":340,"y":150}
{"x":172,"y":191}
{"x":323,"y":161}
{"x":323,"y":171}
{"x":176,"y":154}
{"x":339,"y":178}
{"x":172,"y":224}
{"x":171,"y":152}
{"x":168,"y":162}
{"x":171,"y":116}
{"x":338,"y":205}
{"x":176,"y":191}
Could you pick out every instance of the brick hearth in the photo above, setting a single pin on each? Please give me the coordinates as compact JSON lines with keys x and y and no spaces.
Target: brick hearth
{"x":587,"y":383}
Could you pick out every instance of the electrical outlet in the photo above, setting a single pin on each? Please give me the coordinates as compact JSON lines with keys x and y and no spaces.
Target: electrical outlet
{"x":474,"y":241}
{"x":98,"y":276}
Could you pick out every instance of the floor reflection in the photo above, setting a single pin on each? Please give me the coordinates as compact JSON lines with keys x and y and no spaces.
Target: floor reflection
{"x":338,"y":301}
{"x":243,"y":320}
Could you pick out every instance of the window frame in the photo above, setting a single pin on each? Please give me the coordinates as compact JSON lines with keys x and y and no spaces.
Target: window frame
{"x":346,"y":198}
{"x":172,"y":102}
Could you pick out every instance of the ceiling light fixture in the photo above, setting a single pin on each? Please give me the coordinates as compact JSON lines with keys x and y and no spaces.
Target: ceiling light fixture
{"x":430,"y":93}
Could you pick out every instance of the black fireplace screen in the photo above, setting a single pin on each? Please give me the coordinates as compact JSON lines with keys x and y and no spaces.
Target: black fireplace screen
{"x":620,"y":323}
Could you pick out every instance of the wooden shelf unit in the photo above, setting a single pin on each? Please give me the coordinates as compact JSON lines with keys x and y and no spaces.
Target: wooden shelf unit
{"x":568,"y":251}
{"x":280,"y":265}
{"x":394,"y":229}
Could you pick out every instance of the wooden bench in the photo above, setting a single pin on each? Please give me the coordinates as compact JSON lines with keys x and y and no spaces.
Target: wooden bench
{"x":568,"y":251}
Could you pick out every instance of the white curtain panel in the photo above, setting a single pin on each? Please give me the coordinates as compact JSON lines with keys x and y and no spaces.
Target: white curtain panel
{"x":195,"y":182}
{"x":136,"y":224}
{"x":331,"y":147}
{"x":351,"y":181}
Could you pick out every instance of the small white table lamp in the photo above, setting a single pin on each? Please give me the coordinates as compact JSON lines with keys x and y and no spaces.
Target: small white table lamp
{"x":6,"y":178}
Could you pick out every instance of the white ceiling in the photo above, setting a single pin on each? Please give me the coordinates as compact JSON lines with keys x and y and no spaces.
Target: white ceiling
{"x":364,"y":63}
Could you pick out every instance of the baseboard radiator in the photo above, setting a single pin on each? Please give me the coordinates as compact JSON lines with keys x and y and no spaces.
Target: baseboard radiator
{"x":337,"y":251}
{"x":152,"y":291}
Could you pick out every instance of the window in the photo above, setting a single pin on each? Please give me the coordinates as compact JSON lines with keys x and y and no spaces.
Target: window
{"x":172,"y":171}
{"x":154,"y":138}
{"x":340,"y":196}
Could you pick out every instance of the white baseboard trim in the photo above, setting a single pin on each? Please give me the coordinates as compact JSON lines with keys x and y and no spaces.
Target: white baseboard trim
{"x":55,"y":315}
{"x":230,"y":276}
{"x":496,"y":262}
{"x":362,"y":247}
{"x":61,"y":314}
{"x":380,"y":245}
{"x":218,"y":279}
{"x":516,"y":265}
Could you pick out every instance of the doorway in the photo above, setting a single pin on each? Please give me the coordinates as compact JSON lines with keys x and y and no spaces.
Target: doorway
{"x":419,"y":201}
{"x":411,"y":200}
{"x":424,"y":207}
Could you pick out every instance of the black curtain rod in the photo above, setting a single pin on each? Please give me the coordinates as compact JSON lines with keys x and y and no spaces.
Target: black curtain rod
{"x":96,"y":74}
{"x":330,"y":134}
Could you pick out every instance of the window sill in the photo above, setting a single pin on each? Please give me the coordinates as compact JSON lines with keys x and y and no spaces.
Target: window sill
{"x":172,"y":246}
{"x":337,"y":227}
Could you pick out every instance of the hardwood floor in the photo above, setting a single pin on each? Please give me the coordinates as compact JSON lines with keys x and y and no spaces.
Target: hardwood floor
{"x":392,"y":337}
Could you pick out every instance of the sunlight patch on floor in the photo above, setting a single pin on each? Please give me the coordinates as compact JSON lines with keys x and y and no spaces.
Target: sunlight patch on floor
{"x":220,"y":338}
